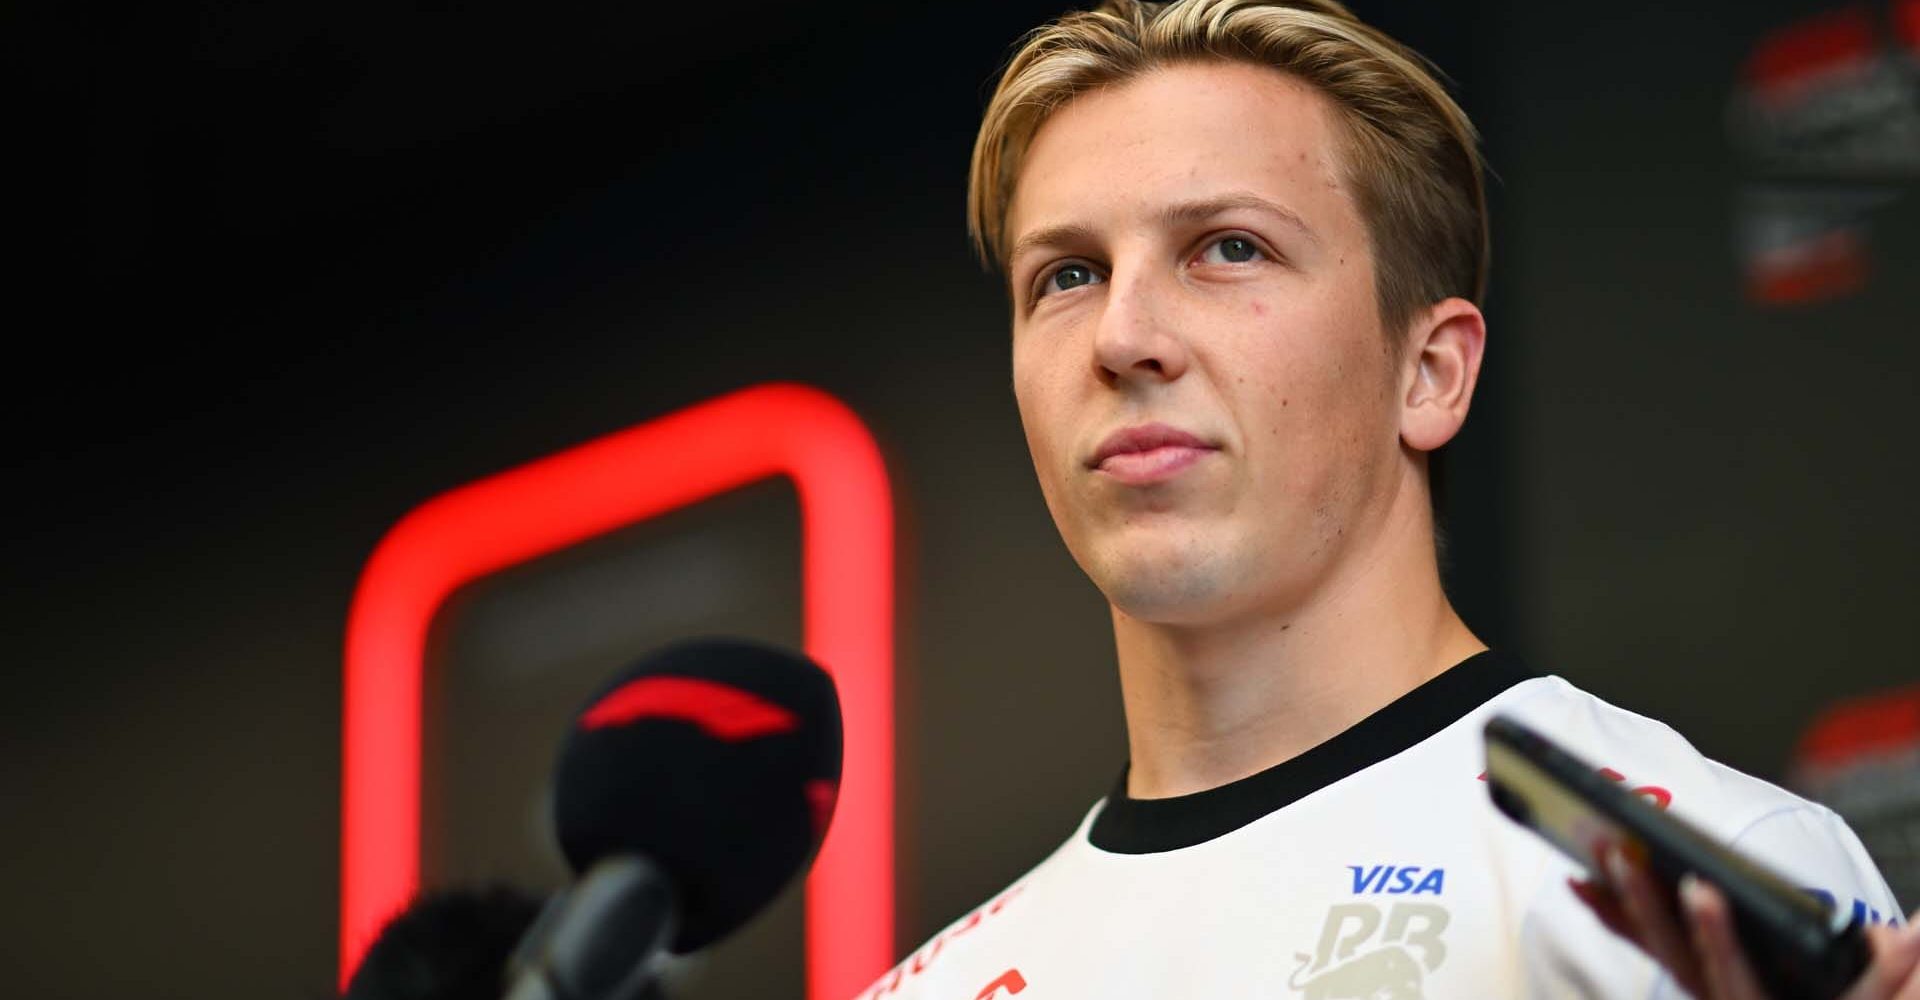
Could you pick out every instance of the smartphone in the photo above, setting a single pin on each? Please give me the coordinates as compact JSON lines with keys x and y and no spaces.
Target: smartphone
{"x":1798,"y":944}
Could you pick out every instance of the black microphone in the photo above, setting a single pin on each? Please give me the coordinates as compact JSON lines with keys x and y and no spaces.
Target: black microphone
{"x":690,"y":790}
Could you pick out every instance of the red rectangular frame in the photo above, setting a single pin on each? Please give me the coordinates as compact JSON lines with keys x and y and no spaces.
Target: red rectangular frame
{"x":461,"y":536}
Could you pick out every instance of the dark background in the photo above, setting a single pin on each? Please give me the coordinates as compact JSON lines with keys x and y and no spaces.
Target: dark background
{"x":295,"y":268}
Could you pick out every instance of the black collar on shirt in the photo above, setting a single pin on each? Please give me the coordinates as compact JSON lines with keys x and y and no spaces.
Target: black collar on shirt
{"x":1149,"y":826}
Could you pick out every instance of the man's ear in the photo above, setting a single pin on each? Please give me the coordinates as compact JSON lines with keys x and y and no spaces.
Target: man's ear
{"x":1443,"y":353}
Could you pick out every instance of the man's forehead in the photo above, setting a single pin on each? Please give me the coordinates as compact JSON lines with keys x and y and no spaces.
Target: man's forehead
{"x":1150,"y":149}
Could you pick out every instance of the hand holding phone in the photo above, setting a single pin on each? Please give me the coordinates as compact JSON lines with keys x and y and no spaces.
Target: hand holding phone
{"x":1707,"y":959}
{"x":1640,"y":858}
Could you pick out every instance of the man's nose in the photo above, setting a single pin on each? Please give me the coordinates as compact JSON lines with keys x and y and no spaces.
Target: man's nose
{"x":1136,"y":340}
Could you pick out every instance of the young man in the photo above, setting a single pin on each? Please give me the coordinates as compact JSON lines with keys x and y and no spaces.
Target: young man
{"x":1244,"y":242}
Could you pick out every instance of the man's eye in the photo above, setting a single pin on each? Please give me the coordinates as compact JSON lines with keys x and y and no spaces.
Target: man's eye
{"x":1069,"y":277}
{"x":1231,"y":250}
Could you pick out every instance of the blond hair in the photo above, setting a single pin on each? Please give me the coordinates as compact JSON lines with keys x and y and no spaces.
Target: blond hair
{"x":1411,"y":154}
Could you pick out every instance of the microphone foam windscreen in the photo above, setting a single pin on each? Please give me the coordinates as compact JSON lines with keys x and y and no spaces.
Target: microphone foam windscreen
{"x":718,"y":760}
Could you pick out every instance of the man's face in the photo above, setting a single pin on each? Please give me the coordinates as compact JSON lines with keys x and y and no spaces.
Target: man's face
{"x":1207,"y":392}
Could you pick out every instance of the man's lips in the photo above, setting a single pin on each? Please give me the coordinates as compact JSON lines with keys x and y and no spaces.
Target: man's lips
{"x":1148,"y":453}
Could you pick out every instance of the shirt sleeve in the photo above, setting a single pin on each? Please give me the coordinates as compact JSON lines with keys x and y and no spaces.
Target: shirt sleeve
{"x":1816,"y":849}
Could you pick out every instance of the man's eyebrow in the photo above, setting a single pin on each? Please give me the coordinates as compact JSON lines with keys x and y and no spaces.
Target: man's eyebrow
{"x":1048,"y":237}
{"x":1183,"y":213}
{"x":1188,"y":212}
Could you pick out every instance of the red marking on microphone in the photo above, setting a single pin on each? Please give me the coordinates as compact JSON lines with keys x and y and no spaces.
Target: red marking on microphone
{"x":723,"y":711}
{"x":1010,"y":979}
{"x":821,"y":796}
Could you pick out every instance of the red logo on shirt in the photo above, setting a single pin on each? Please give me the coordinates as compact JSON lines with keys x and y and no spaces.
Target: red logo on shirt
{"x":1654,"y":794}
{"x":889,"y":983}
{"x":1009,"y":979}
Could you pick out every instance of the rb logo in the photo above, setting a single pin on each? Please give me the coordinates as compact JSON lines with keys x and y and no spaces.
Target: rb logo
{"x":1403,"y":939}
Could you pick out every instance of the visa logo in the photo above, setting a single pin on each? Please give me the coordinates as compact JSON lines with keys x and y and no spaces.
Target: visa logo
{"x":1397,"y":880}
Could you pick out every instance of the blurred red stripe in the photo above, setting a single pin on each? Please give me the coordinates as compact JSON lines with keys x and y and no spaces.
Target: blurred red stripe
{"x":1872,"y":725}
{"x":1810,"y":47}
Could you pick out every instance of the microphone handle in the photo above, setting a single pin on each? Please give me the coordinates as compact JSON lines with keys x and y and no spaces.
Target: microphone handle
{"x":601,"y":939}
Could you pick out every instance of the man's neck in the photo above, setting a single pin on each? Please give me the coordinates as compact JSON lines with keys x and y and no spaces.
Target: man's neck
{"x":1210,"y":705}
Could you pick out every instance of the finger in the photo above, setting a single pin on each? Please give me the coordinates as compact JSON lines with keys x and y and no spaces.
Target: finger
{"x":1722,"y":961}
{"x":1656,"y":928}
{"x":1605,"y":906}
{"x":1895,"y":971}
{"x":1909,"y":990}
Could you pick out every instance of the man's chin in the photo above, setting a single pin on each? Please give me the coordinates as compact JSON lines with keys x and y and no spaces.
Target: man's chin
{"x":1169,"y":595}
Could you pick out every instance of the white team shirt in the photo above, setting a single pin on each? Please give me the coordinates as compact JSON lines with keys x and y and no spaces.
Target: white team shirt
{"x":1373,"y":865}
